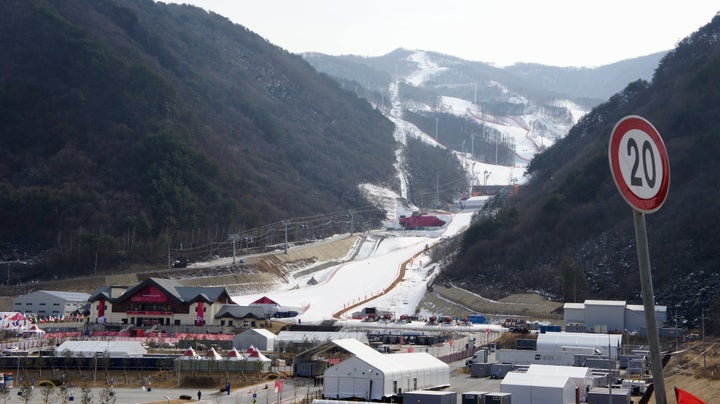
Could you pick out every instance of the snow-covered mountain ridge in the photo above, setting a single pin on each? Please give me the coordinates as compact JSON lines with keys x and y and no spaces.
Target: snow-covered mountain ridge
{"x":434,"y":86}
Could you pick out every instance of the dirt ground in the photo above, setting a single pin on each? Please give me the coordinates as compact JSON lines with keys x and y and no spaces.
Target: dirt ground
{"x":459,"y":302}
{"x":157,"y":379}
{"x":694,"y":372}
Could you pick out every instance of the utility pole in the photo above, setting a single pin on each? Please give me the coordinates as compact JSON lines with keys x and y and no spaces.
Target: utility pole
{"x":677,"y":343}
{"x":472,"y":144}
{"x":286,"y":239}
{"x":497,"y":140}
{"x":234,"y":239}
{"x":352,"y":222}
{"x":703,"y":340}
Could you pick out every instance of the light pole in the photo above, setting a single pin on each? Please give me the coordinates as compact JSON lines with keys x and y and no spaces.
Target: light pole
{"x":286,"y":237}
{"x":677,"y":342}
{"x":234,"y":241}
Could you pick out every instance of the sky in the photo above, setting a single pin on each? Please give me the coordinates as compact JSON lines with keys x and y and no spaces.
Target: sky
{"x":500,"y":32}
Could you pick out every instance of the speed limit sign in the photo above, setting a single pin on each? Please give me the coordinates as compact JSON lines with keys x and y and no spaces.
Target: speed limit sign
{"x":639,"y":163}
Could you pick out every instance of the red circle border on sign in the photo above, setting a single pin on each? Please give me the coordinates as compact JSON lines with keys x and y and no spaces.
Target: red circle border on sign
{"x":623,"y":126}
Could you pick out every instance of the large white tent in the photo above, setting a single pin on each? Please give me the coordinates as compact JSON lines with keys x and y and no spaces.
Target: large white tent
{"x":607,"y":344}
{"x":372,"y":375}
{"x":112,"y":349}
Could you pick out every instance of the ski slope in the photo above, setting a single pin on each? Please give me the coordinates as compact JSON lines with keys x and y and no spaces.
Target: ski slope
{"x":367,"y":278}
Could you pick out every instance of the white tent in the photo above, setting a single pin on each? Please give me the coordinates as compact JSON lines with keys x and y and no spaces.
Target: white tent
{"x":33,"y":332}
{"x":372,"y":375}
{"x":254,"y":355}
{"x":112,"y":349}
{"x":190,"y":354}
{"x":555,"y":341}
{"x":234,"y":355}
{"x":213,"y":355}
{"x":258,"y":337}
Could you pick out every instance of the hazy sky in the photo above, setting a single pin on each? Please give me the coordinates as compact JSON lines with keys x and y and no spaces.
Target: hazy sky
{"x":551,"y":32}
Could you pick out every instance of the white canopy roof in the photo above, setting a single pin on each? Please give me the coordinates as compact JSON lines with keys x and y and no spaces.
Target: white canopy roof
{"x":254,"y":355}
{"x":113,"y":349}
{"x":212,"y":354}
{"x":572,"y":371}
{"x":525,"y":379}
{"x":190,"y":354}
{"x":397,"y":363}
{"x":234,"y":355}
{"x":553,"y":341}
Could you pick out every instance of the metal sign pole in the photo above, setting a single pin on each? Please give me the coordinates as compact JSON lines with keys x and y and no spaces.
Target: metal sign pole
{"x":649,"y":304}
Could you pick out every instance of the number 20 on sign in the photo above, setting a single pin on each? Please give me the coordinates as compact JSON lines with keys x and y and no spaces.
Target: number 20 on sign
{"x":639,"y":163}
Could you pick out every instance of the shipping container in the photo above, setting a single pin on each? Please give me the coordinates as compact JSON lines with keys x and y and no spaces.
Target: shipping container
{"x":526,"y":343}
{"x":602,"y":395}
{"x":550,"y":328}
{"x":474,"y":397}
{"x":480,"y":369}
{"x":430,"y":397}
{"x":498,"y":398}
{"x":499,"y":370}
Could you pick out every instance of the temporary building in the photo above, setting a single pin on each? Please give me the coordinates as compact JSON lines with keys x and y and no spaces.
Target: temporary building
{"x":607,"y":344}
{"x":258,"y":337}
{"x":306,"y":339}
{"x":111,"y":349}
{"x":538,"y":389}
{"x":581,"y":377}
{"x":371,"y":375}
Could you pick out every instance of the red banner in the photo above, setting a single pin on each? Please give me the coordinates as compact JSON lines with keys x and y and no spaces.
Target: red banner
{"x":683,"y":397}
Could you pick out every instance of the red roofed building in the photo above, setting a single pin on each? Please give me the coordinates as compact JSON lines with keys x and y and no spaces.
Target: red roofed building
{"x":161,"y":302}
{"x":269,"y":306}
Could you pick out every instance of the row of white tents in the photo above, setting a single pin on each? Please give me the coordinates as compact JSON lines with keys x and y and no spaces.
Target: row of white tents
{"x":251,"y":355}
{"x":124,"y":349}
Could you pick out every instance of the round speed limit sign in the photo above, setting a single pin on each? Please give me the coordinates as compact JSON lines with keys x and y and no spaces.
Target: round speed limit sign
{"x":639,"y":163}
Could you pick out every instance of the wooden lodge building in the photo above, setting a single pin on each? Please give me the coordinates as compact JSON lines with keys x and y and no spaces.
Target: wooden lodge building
{"x":157,"y":302}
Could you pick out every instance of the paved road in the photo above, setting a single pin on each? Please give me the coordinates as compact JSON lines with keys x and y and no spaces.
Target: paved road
{"x":292,"y":391}
{"x":247,"y":395}
{"x":460,"y":383}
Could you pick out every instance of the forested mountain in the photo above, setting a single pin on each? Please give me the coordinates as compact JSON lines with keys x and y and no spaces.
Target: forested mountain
{"x":128,"y":127}
{"x":569,"y":234}
{"x":589,"y":82}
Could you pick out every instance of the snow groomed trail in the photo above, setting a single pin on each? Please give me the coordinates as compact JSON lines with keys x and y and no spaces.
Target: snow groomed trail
{"x":349,"y":285}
